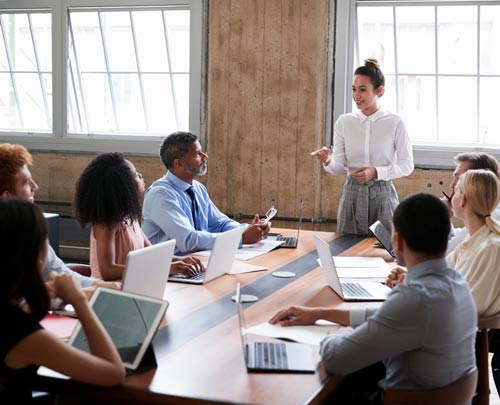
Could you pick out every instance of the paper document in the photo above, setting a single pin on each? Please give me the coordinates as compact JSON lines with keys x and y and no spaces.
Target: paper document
{"x":362,"y":272}
{"x":248,"y":252}
{"x":359,"y":262}
{"x":310,"y":334}
{"x":240,"y":267}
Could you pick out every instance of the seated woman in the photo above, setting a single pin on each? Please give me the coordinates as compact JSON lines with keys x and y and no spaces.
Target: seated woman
{"x":477,"y":258}
{"x":24,"y":301}
{"x":108,"y":195}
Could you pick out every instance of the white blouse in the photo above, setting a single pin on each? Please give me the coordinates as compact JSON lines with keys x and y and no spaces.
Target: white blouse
{"x":379,"y":140}
{"x":477,"y":259}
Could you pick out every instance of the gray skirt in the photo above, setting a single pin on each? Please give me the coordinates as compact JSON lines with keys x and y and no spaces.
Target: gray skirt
{"x":362,"y":204}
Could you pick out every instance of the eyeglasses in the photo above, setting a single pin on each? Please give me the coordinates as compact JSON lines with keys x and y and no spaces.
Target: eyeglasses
{"x":271,"y":212}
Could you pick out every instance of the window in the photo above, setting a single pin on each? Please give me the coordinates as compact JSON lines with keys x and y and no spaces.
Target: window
{"x":83,"y":75}
{"x":25,"y":71}
{"x":441,"y":61}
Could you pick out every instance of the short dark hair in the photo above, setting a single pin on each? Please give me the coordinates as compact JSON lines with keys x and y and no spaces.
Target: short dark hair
{"x":176,"y":146}
{"x":424,"y":223}
{"x":106,"y":192}
{"x":23,"y":238}
{"x":479,"y":160}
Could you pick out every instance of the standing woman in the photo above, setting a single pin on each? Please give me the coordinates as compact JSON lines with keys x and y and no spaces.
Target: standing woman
{"x":373,"y":147}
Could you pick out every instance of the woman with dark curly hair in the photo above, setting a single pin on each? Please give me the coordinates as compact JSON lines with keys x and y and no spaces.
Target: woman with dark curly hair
{"x":108,"y":196}
{"x":24,"y":344}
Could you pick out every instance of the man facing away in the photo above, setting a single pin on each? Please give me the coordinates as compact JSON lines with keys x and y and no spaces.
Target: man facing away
{"x":178,"y":207}
{"x":423,"y":335}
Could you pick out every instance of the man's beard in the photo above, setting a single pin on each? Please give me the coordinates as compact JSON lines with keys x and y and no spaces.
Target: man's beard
{"x":198,"y":171}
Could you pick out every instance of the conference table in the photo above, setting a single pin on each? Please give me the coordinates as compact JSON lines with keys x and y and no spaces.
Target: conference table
{"x":198,"y":348}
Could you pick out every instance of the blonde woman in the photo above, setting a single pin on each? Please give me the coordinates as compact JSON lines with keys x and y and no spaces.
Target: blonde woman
{"x":477,"y":258}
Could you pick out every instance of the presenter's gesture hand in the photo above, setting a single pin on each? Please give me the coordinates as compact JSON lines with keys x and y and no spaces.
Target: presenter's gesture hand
{"x":364,"y":174}
{"x":323,"y":155}
{"x":295,"y":316}
{"x":67,"y":288}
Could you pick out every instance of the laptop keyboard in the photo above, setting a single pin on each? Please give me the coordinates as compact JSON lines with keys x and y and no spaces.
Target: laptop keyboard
{"x":271,"y":355}
{"x":355,"y":290}
{"x":199,"y":276}
{"x":289,"y":240}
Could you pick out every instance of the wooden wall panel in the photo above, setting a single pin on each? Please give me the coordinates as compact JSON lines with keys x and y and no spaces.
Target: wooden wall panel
{"x":276,"y":97}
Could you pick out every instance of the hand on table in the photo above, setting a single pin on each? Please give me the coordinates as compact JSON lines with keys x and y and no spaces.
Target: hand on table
{"x":295,"y":316}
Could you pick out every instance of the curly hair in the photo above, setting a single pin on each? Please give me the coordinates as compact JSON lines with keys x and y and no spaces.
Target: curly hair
{"x":106,"y":192}
{"x":12,"y":159}
{"x":22,"y":240}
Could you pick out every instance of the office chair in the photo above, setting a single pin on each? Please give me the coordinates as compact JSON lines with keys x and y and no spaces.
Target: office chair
{"x":483,"y":384}
{"x":459,"y":392}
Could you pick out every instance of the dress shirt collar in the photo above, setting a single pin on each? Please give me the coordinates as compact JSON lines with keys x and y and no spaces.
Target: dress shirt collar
{"x":176,"y":182}
{"x":374,"y":117}
{"x":473,"y":242}
{"x":423,"y":268}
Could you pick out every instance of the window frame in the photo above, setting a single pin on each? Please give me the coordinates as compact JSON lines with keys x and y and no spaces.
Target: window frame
{"x":341,"y":60}
{"x":59,"y":139}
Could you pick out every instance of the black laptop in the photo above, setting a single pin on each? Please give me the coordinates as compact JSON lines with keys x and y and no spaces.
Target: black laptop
{"x":383,"y":236}
{"x":292,"y":241}
{"x":273,"y":357}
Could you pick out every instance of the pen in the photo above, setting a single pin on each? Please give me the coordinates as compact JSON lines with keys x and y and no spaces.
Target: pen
{"x":447,"y":196}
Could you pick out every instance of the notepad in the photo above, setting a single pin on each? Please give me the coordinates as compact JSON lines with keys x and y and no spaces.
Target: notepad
{"x":309,"y":334}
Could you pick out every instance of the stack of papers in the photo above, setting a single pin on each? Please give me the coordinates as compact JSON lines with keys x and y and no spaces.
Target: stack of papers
{"x":361,"y":267}
{"x":248,"y":252}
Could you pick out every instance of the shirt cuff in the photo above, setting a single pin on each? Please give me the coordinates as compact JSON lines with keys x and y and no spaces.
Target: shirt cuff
{"x":382,"y":173}
{"x":357,"y":315}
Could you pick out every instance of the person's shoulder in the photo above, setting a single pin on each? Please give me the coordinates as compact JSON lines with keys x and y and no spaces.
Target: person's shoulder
{"x":390,"y":115}
{"x":160,"y":188}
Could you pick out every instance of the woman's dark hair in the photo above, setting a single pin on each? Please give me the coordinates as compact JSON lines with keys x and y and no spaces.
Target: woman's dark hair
{"x":106,"y":192}
{"x":371,"y":69}
{"x":22,"y":240}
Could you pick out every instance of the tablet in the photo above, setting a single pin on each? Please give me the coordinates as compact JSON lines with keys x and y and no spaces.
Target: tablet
{"x":131,"y":321}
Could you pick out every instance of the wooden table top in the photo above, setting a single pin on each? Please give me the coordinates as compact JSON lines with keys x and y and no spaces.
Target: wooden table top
{"x":198,"y":347}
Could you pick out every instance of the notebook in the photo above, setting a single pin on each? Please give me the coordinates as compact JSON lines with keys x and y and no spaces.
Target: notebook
{"x":274,"y":357}
{"x":348,"y":291}
{"x":147,"y":269}
{"x":383,"y":236}
{"x":131,"y":321}
{"x":292,"y":241}
{"x":220,"y":260}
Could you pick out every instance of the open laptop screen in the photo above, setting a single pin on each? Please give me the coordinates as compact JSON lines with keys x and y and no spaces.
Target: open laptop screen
{"x":131,"y":321}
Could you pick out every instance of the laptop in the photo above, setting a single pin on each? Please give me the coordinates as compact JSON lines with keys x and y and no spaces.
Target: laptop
{"x":383,"y":236}
{"x":131,"y":321}
{"x":348,"y":291}
{"x":292,"y":241}
{"x":274,"y":357}
{"x":220,"y":260}
{"x":146,"y":270}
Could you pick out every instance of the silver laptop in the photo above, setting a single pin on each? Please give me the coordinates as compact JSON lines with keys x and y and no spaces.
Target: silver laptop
{"x":292,"y":241}
{"x":147,"y":269}
{"x":220,"y":261}
{"x":131,"y":321}
{"x":383,"y":236}
{"x":274,"y":357}
{"x":356,"y":291}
